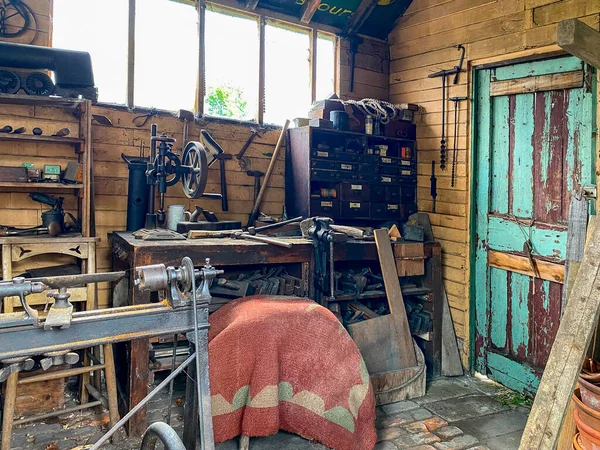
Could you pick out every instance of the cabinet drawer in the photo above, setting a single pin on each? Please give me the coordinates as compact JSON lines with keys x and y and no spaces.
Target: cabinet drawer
{"x":368,"y":177}
{"x":386,"y":160}
{"x":355,"y":210}
{"x":322,"y":164}
{"x":356,"y":192}
{"x":347,"y":157}
{"x":348,"y":167}
{"x":324,"y":175}
{"x":327,"y":154}
{"x":392,"y":194}
{"x":367,"y":168}
{"x":387,"y":179}
{"x":377,"y":193}
{"x":405,"y":172}
{"x":408,"y":194}
{"x":325,"y":207}
{"x":386,"y":211}
{"x":384,"y":169}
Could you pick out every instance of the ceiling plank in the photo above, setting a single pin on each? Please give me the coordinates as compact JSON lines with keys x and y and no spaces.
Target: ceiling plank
{"x":360,"y":16}
{"x":251,"y":4}
{"x":579,"y":40}
{"x":308,"y":10}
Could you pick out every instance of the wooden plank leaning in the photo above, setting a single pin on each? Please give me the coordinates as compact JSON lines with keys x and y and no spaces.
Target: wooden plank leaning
{"x":568,"y":351}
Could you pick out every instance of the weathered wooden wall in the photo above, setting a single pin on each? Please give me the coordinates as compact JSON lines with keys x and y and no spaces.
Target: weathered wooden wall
{"x":371,"y":70}
{"x":110,"y":172}
{"x":424,"y":41}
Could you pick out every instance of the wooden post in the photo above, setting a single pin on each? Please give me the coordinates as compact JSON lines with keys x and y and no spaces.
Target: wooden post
{"x":579,"y":40}
{"x":111,"y":387}
{"x":568,"y":352}
{"x":8,"y":413}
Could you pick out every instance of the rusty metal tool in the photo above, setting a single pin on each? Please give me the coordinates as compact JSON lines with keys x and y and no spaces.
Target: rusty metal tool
{"x":19,"y":130}
{"x":433,"y":189}
{"x":271,"y":226}
{"x":6,"y":129}
{"x":456,"y":101}
{"x":444,"y":74}
{"x":259,"y":238}
{"x":256,"y":174}
{"x":253,"y":133}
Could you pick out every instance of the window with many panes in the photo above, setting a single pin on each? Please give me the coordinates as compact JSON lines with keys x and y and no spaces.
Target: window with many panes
{"x":147,"y":53}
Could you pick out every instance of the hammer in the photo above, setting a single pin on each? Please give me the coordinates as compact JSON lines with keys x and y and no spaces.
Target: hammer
{"x":256,"y":174}
{"x":254,"y":132}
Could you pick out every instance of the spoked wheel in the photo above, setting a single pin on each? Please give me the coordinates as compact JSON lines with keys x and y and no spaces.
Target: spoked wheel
{"x":194,"y":181}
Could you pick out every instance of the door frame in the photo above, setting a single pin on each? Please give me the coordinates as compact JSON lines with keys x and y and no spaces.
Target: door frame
{"x":532,"y":55}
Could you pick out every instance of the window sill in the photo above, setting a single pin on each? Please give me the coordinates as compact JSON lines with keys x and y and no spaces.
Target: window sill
{"x":199,"y":119}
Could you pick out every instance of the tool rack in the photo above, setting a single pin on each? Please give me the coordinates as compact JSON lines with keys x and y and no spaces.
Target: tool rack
{"x":80,"y":109}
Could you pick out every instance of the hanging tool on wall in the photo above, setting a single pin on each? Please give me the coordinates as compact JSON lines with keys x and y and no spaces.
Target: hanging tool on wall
{"x":354,"y":41}
{"x":444,"y":74}
{"x":214,"y":148}
{"x":433,"y":180}
{"x":254,"y":213}
{"x":456,"y":101}
{"x":242,"y":162}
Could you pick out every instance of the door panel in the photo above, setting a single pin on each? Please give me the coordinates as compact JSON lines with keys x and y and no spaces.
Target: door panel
{"x":532,"y":151}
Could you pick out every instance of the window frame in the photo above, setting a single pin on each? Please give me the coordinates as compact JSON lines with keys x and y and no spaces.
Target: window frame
{"x":262,"y":17}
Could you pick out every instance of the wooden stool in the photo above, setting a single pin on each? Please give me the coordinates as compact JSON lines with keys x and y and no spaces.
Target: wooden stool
{"x":91,"y":364}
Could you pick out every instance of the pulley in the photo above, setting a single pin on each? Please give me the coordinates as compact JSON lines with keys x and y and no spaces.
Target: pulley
{"x":194,"y":180}
{"x":10,"y":83}
{"x":38,"y":83}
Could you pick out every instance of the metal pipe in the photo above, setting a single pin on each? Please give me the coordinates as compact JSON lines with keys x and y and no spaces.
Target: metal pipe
{"x":143,"y":403}
{"x":160,"y":431}
{"x":197,"y":353}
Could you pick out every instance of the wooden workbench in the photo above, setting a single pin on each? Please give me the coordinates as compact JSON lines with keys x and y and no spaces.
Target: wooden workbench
{"x":128,"y":252}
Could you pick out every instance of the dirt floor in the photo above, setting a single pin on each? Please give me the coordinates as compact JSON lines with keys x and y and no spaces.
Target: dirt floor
{"x":455,"y":414}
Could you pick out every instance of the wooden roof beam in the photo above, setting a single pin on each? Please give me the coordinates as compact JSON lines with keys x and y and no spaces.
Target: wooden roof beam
{"x":579,"y":40}
{"x":360,"y":16}
{"x":309,"y":8}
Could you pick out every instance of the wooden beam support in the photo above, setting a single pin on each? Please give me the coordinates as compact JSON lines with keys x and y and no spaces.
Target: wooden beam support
{"x":360,"y":16}
{"x":314,"y":36}
{"x":568,"y":352}
{"x":308,"y":10}
{"x":251,"y":5}
{"x":131,"y":54}
{"x":579,"y":40}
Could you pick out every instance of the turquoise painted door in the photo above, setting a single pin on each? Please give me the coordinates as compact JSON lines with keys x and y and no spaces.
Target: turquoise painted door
{"x":533,"y":129}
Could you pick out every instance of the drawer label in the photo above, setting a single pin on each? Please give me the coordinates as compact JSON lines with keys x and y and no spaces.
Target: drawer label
{"x":354,"y":205}
{"x":323,"y":154}
{"x":327,"y":204}
{"x":392,"y":207}
{"x":386,"y":179}
{"x":386,"y":160}
{"x":405,"y":172}
{"x":405,"y":163}
{"x":356,"y":187}
{"x":346,"y":166}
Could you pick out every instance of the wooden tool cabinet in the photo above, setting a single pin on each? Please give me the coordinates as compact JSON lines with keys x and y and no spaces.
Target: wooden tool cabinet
{"x":350,"y":177}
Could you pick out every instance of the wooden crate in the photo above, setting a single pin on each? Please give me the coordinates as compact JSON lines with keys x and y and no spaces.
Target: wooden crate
{"x":410,"y":259}
{"x":43,"y":396}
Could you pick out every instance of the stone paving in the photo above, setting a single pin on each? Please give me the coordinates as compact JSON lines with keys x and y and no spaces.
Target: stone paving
{"x":455,"y":414}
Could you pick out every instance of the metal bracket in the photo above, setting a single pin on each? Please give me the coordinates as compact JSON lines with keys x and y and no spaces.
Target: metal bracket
{"x":589,"y":192}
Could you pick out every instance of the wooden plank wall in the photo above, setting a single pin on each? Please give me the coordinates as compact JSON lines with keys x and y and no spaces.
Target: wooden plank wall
{"x":110,"y":172}
{"x":423,"y":41}
{"x":371,"y":70}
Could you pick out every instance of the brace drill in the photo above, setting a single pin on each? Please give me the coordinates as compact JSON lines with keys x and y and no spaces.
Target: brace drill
{"x":183,"y":309}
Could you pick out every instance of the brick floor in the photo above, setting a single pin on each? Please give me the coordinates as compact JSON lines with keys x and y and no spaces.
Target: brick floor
{"x":476,"y":421}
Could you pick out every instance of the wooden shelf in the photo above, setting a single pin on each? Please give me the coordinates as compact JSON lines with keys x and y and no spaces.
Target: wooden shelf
{"x":36,"y":100}
{"x":41,"y":139}
{"x":16,"y":184}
